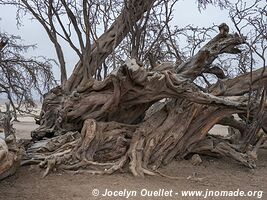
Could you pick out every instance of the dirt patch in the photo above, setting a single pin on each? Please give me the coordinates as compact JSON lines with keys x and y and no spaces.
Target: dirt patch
{"x":220,"y":174}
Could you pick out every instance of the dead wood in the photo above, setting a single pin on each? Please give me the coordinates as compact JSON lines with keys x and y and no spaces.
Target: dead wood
{"x":115,"y":131}
{"x":10,"y":154}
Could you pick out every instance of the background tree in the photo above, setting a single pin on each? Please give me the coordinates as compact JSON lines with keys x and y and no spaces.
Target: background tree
{"x":21,"y":77}
{"x":107,"y":114}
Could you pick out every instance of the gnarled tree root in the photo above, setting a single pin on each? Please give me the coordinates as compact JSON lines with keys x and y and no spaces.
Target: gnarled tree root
{"x":213,"y":146}
{"x":106,"y":147}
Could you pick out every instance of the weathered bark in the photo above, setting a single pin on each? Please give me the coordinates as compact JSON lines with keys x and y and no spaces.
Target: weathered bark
{"x":106,"y":43}
{"x":131,"y":90}
{"x":174,"y":131}
{"x":10,"y":154}
{"x":169,"y":133}
{"x":116,"y":130}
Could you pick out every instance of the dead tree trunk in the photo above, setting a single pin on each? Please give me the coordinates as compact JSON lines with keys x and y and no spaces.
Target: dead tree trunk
{"x":81,"y":77}
{"x":116,"y":130}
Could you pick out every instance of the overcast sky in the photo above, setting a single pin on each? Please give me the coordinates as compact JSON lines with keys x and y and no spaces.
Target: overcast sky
{"x":186,"y":12}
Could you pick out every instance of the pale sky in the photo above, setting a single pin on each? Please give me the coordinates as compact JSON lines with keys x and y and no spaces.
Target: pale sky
{"x":186,"y":12}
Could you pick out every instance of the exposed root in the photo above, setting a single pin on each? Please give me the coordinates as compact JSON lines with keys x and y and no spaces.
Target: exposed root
{"x":106,"y":147}
{"x":110,"y":168}
{"x":214,"y":145}
{"x":50,"y":165}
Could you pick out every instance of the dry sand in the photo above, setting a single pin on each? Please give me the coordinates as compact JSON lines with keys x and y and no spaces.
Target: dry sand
{"x":24,"y":127}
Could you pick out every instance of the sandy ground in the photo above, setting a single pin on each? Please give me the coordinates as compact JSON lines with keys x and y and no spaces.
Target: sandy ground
{"x":24,"y":127}
{"x":219,"y":174}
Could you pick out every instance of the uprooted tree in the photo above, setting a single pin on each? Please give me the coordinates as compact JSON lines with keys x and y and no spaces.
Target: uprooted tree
{"x":124,"y":106}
